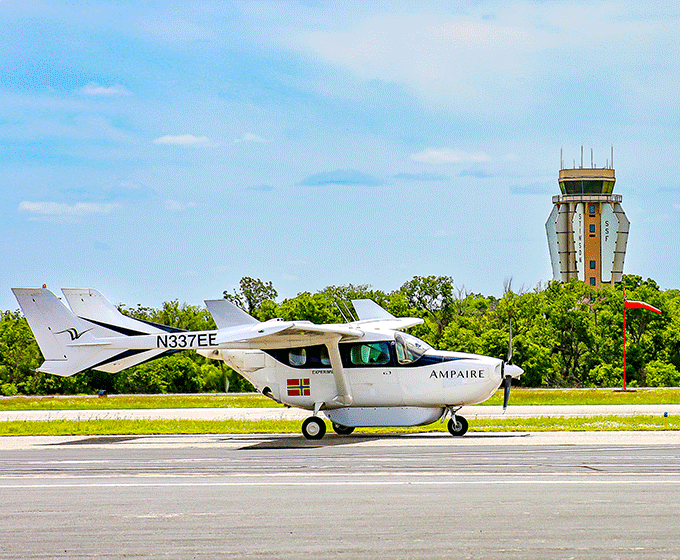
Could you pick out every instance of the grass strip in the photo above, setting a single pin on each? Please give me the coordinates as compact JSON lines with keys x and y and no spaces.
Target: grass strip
{"x":646,"y":395}
{"x":177,"y":427}
{"x":518,"y":396}
{"x":123,"y":402}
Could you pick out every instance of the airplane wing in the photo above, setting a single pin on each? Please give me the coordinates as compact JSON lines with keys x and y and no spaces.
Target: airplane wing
{"x":239,"y":330}
{"x":283,"y":334}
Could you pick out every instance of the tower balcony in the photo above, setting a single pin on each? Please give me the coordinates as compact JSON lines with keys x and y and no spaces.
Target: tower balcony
{"x":561,"y":198}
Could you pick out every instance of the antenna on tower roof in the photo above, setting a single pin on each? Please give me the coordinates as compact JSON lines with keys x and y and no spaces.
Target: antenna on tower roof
{"x":581,"y":157}
{"x":612,"y":156}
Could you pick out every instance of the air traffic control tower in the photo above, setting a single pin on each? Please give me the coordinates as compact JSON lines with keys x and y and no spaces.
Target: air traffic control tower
{"x":587,"y":228}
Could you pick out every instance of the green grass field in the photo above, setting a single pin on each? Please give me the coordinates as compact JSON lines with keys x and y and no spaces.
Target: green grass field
{"x":247,"y":400}
{"x":87,"y":402}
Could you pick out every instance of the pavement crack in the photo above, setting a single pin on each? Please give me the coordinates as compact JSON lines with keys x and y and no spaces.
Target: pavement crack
{"x":592,"y":468}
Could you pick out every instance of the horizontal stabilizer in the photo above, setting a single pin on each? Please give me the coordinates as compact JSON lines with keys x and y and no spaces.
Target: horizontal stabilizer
{"x":91,"y":305}
{"x":132,"y":358}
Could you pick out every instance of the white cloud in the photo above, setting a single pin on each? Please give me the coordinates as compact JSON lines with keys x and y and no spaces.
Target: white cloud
{"x":249,"y":137}
{"x":505,"y":58}
{"x":655,"y":218}
{"x":97,"y":90}
{"x":61,"y":210}
{"x":182,"y":140}
{"x":341,"y":177}
{"x":261,"y":188}
{"x":446,"y":155}
{"x":443,"y":60}
{"x":175,"y":206}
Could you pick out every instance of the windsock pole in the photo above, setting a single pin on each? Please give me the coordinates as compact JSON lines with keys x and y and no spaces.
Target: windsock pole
{"x":624,"y":339}
{"x":632,"y":305}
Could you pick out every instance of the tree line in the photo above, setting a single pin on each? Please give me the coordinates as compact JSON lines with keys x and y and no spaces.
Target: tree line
{"x":563,"y":335}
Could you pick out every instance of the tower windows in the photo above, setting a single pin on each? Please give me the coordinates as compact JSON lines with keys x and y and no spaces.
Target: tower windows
{"x":592,"y":265}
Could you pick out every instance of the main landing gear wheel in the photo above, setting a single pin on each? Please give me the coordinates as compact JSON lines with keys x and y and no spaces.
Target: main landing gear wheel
{"x":342,"y":430}
{"x":458,"y":426}
{"x":313,"y":428}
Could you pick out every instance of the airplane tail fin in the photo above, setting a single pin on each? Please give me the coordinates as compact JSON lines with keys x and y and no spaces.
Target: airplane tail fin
{"x":227,"y":315}
{"x":71,"y":344}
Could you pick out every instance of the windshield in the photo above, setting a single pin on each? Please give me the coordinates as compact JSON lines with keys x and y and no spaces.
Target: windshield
{"x":409,"y":348}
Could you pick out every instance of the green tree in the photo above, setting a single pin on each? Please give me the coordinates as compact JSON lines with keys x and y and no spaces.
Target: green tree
{"x":432,"y":297}
{"x":19,"y":352}
{"x":252,"y":293}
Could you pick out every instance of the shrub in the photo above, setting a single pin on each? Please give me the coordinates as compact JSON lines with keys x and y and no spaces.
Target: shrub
{"x":9,"y":389}
{"x":662,"y":374}
{"x":608,"y":375}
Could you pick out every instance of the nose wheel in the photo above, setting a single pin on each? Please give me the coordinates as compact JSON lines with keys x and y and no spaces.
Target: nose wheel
{"x":313,"y":428}
{"x":458,"y":426}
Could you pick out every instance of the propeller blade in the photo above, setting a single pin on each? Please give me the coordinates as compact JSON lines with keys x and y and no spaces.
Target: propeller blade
{"x":506,"y":392}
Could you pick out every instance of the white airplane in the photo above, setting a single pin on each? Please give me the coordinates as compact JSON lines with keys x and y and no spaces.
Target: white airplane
{"x":362,"y":373}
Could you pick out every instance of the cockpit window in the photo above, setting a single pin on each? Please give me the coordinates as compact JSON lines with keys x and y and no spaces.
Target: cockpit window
{"x":371,"y":354}
{"x":409,"y":348}
{"x":324,"y":357}
{"x":404,"y":355}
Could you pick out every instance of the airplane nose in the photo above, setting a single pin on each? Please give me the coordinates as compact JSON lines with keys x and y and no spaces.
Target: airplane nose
{"x":513,"y":371}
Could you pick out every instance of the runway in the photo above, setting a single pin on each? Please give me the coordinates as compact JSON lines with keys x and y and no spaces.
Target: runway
{"x":565,"y":495}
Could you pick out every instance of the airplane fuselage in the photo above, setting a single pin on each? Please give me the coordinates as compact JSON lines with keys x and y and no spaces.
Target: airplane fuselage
{"x":434,"y":381}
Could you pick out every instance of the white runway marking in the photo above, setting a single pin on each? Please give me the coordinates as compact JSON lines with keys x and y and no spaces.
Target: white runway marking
{"x":380,"y":479}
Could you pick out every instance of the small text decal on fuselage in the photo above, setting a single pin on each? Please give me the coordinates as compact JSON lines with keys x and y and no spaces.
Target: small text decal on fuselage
{"x":461,"y":374}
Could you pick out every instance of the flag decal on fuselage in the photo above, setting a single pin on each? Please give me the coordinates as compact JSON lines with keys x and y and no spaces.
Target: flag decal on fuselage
{"x":298,"y":387}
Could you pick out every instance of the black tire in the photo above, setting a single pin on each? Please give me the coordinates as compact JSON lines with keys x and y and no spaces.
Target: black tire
{"x":342,"y":430}
{"x":459,"y":427}
{"x":313,"y":428}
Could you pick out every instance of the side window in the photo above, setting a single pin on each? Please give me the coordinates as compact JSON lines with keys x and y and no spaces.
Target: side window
{"x":372,"y":354}
{"x":297,"y":357}
{"x":324,"y":357}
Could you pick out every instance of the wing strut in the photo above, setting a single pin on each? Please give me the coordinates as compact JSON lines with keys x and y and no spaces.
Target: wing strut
{"x":344,"y":396}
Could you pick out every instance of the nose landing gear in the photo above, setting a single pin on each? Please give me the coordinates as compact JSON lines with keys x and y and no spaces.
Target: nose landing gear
{"x":313,"y":428}
{"x":457,"y":426}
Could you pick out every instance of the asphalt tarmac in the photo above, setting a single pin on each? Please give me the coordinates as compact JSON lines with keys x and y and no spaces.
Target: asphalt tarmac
{"x":536,"y":496}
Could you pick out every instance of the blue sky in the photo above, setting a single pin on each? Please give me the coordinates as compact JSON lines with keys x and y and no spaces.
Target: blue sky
{"x":162,"y":150}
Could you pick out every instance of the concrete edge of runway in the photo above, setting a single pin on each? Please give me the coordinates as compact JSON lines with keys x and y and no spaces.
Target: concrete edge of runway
{"x":279,"y":441}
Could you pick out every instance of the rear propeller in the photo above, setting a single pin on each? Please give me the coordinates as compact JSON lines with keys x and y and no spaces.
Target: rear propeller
{"x":507,"y":380}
